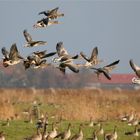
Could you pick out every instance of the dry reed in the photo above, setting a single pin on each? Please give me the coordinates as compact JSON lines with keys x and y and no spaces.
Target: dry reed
{"x":72,"y":104}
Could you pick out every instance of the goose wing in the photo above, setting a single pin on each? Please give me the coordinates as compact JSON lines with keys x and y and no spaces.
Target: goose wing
{"x":107,"y":75}
{"x":40,"y":53}
{"x":111,"y":66}
{"x":27,"y":36}
{"x":135,"y":67}
{"x":5,"y":52}
{"x":53,"y":12}
{"x":36,"y":43}
{"x":43,"y":12}
{"x":84,"y":56}
{"x":13,"y":52}
{"x":94,"y":54}
{"x":61,"y":51}
{"x":105,"y":72}
{"x":49,"y":54}
{"x":62,"y":68}
{"x":49,"y":13}
{"x":72,"y":67}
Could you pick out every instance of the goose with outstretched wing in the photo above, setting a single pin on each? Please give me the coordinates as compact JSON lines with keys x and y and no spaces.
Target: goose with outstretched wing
{"x":93,"y":60}
{"x":52,"y":14}
{"x":30,"y":41}
{"x":136,"y":69}
{"x":45,"y":22}
{"x":106,"y":69}
{"x":11,"y":58}
{"x":65,"y":59}
{"x":43,"y":54}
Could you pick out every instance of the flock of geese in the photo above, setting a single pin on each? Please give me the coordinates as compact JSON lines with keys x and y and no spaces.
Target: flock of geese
{"x":98,"y":130}
{"x":64,"y":60}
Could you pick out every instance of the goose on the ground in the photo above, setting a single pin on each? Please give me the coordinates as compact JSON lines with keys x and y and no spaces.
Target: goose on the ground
{"x":134,"y":133}
{"x":2,"y":135}
{"x":37,"y":136}
{"x":101,"y":130}
{"x":66,"y":134}
{"x":80,"y":135}
{"x":111,"y":136}
{"x":53,"y":133}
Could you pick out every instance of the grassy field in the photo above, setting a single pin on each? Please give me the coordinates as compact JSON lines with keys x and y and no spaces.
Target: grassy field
{"x":18,"y":130}
{"x":72,"y":105}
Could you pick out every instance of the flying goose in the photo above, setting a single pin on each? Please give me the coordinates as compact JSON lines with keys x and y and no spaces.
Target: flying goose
{"x":37,"y":59}
{"x":65,"y":135}
{"x":93,"y":60}
{"x":30,"y":41}
{"x":136,"y":69}
{"x":11,"y":58}
{"x":45,"y":22}
{"x":43,"y":54}
{"x":53,"y":14}
{"x":106,"y":69}
{"x":36,"y":62}
{"x":65,"y":59}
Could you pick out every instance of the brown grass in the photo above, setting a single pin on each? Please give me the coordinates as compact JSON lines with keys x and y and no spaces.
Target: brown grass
{"x":72,"y":104}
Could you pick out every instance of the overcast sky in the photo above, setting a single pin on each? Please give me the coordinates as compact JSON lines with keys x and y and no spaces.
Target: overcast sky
{"x":113,"y":26}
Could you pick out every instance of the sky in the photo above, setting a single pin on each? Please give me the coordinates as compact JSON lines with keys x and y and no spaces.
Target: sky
{"x":112,"y":25}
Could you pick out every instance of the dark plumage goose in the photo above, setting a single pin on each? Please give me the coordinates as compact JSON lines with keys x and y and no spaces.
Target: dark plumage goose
{"x":30,"y":42}
{"x":37,"y":59}
{"x":11,"y":58}
{"x":45,"y":22}
{"x":53,"y":14}
{"x":65,"y":59}
{"x":136,"y":69}
{"x":36,"y":62}
{"x":43,"y":54}
{"x":106,"y":69}
{"x":5,"y":53}
{"x":93,"y":60}
{"x":134,"y":133}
